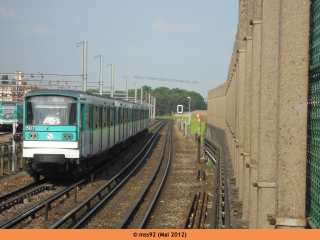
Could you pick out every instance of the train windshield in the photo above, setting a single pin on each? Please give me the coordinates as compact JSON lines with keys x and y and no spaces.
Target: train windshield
{"x":51,"y":110}
{"x":8,"y":108}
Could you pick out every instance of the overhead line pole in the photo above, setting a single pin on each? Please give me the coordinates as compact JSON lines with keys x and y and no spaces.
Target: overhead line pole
{"x":112,"y":83}
{"x":101,"y":75}
{"x":141,"y":96}
{"x":127,"y":88}
{"x":149,"y":107}
{"x":85,"y":48}
{"x":135,"y":95}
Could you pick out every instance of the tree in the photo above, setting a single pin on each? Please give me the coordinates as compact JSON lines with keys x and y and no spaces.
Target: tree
{"x":93,"y":90}
{"x":4,"y":77}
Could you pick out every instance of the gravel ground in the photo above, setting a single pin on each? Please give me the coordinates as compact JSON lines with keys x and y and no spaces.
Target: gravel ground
{"x":182,"y":184}
{"x":174,"y":201}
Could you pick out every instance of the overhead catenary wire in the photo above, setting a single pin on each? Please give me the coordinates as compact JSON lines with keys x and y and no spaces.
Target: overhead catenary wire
{"x":41,"y":56}
{"x":67,"y":66}
{"x":59,"y":58}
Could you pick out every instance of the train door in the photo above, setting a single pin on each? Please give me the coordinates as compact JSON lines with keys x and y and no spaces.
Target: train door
{"x":116,"y":124}
{"x":133,"y":121}
{"x":100,"y":126}
{"x":108,"y":128}
{"x":119,"y":122}
{"x":85,"y":133}
{"x":105,"y":128}
{"x":130,"y":121}
{"x":139,"y":119}
{"x":123,"y":121}
{"x":127,"y":122}
{"x":112,"y":126}
{"x":91,"y":128}
{"x":96,"y":129}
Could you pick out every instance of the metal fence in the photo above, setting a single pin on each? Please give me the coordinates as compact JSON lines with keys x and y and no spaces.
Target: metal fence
{"x":313,"y":128}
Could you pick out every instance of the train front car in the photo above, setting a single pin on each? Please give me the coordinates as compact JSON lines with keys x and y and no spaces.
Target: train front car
{"x":51,"y":132}
{"x":10,"y":111}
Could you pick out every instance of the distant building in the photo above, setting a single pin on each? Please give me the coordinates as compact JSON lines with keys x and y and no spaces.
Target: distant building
{"x":10,"y":93}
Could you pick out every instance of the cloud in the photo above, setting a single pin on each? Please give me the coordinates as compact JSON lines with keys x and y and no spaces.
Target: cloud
{"x":35,"y":29}
{"x":4,"y":13}
{"x":231,"y":34}
{"x":162,"y":27}
{"x":131,"y":51}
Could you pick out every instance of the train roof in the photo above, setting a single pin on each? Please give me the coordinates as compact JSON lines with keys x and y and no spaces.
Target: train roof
{"x":75,"y":93}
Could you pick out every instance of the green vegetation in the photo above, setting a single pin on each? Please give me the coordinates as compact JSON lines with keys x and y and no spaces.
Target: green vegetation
{"x":4,"y":77}
{"x":168,"y":99}
{"x":193,"y":127}
{"x":166,"y":117}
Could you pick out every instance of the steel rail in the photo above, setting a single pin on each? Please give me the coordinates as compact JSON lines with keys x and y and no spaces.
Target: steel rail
{"x":220,"y":207}
{"x":189,"y":218}
{"x":9,"y":195}
{"x":31,"y":211}
{"x":161,"y":184}
{"x":144,"y":189}
{"x":17,"y":199}
{"x":97,"y":207}
{"x":87,"y":200}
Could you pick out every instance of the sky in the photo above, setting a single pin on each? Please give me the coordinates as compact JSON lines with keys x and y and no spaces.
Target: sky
{"x":184,"y":44}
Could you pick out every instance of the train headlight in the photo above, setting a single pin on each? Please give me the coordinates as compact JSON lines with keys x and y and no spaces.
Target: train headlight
{"x":67,"y":136}
{"x":33,"y":135}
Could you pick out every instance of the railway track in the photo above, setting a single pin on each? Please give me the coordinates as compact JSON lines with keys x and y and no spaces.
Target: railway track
{"x":87,"y":214}
{"x":16,"y":197}
{"x":136,"y":217}
{"x":41,"y":209}
{"x":197,"y":211}
{"x":220,"y":208}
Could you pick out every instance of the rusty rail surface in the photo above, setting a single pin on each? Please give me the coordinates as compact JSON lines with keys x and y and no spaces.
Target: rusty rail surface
{"x":197,"y":212}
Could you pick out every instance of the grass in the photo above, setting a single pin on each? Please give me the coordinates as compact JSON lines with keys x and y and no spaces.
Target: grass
{"x":166,"y":117}
{"x":193,"y":127}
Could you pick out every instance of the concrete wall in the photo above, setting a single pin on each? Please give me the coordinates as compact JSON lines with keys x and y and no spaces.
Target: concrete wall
{"x":262,"y":109}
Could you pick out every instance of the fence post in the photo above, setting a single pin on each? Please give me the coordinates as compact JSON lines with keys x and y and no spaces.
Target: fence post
{"x":21,"y":157}
{"x":9,"y":159}
{"x":2,"y":149}
{"x":16,"y":157}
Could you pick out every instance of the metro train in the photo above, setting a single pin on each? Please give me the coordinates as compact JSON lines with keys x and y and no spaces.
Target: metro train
{"x":10,"y":111}
{"x":67,"y":132}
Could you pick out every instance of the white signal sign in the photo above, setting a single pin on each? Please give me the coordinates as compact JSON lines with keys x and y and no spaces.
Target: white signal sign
{"x":180,"y":109}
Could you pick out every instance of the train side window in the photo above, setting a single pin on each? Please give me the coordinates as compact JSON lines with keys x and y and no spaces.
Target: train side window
{"x":122,"y":115}
{"x":127,"y":114}
{"x":100,"y":116}
{"x":104,"y":117}
{"x":90,"y":117}
{"x":30,"y":119}
{"x":108,"y":116}
{"x":112,"y":116}
{"x":96,"y":117}
{"x":118,"y":115}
